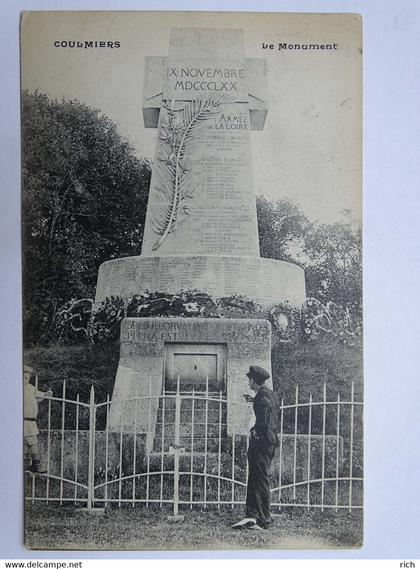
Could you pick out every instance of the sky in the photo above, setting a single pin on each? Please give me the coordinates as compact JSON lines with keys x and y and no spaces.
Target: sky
{"x":310,"y":148}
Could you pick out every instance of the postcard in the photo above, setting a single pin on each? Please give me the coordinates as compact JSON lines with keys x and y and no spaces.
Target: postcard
{"x":192,"y":280}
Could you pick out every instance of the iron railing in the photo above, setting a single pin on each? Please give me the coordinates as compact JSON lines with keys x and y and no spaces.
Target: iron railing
{"x":184,"y":454}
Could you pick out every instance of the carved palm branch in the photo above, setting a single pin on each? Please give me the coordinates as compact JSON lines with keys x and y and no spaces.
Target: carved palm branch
{"x":173,"y":179}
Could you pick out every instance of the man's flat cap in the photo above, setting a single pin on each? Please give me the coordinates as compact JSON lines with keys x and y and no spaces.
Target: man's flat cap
{"x":27,"y":369}
{"x":258,"y":374}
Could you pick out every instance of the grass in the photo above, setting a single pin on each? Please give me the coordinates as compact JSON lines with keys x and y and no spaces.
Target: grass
{"x":148,"y":529}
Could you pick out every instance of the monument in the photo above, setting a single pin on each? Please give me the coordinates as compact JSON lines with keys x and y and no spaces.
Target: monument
{"x":201,"y":225}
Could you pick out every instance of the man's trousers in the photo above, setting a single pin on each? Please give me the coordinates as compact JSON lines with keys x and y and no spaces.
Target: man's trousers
{"x":258,"y":489}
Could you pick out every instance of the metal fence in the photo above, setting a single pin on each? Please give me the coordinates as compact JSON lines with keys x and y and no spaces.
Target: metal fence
{"x":179,"y":451}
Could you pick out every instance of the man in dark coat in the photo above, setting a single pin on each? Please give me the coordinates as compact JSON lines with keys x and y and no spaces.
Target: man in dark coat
{"x":263,"y":441}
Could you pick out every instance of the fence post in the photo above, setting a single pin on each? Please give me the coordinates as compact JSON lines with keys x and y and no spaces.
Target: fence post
{"x":351,"y":448}
{"x":63,"y":424}
{"x":280,"y":450}
{"x":206,"y":434}
{"x":91,"y":464}
{"x":324,"y":420}
{"x":295,"y":441}
{"x":176,"y":450}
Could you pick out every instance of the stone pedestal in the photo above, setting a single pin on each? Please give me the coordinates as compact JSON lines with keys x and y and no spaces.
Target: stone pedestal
{"x":266,"y":281}
{"x":146,"y":344}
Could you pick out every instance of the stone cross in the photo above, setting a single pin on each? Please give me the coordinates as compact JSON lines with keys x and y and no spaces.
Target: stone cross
{"x":205,"y":97}
{"x":201,"y":229}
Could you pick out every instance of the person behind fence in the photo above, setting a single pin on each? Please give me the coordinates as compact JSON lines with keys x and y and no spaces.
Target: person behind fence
{"x":263,"y":441}
{"x":31,"y":395}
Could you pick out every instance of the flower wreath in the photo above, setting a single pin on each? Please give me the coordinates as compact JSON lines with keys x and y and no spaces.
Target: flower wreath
{"x":285,"y":321}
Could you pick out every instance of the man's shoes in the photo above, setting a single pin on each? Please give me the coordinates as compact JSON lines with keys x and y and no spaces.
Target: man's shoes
{"x":245,"y":523}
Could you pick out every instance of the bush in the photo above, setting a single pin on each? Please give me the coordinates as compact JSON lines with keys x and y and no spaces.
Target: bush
{"x":81,"y":366}
{"x":312,"y":364}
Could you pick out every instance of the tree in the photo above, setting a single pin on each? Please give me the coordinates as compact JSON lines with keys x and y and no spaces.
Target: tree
{"x":83,"y":202}
{"x":281,"y":228}
{"x":331,"y":254}
{"x":334,"y":266}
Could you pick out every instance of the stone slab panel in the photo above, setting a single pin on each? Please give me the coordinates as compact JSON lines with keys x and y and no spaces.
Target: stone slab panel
{"x":267,"y":281}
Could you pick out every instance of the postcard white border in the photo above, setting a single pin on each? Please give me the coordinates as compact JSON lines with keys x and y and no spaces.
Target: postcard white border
{"x":391,"y":214}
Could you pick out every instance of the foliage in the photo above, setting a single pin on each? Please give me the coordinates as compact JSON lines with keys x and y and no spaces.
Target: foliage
{"x":184,"y":304}
{"x":311,"y":364}
{"x":330,"y":319}
{"x":330,"y":254}
{"x":79,"y":321}
{"x":334,"y":267}
{"x":80,"y":366}
{"x":281,"y":229}
{"x":84,"y":202}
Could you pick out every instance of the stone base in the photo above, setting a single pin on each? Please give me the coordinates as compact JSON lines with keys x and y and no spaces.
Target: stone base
{"x":266,"y":281}
{"x":145,"y":361}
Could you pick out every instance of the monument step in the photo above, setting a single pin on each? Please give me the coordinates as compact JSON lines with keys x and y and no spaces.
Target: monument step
{"x":186,"y":416}
{"x":198,"y":403}
{"x":200,"y":462}
{"x":186,"y":430}
{"x":200,"y":444}
{"x":198,"y":418}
